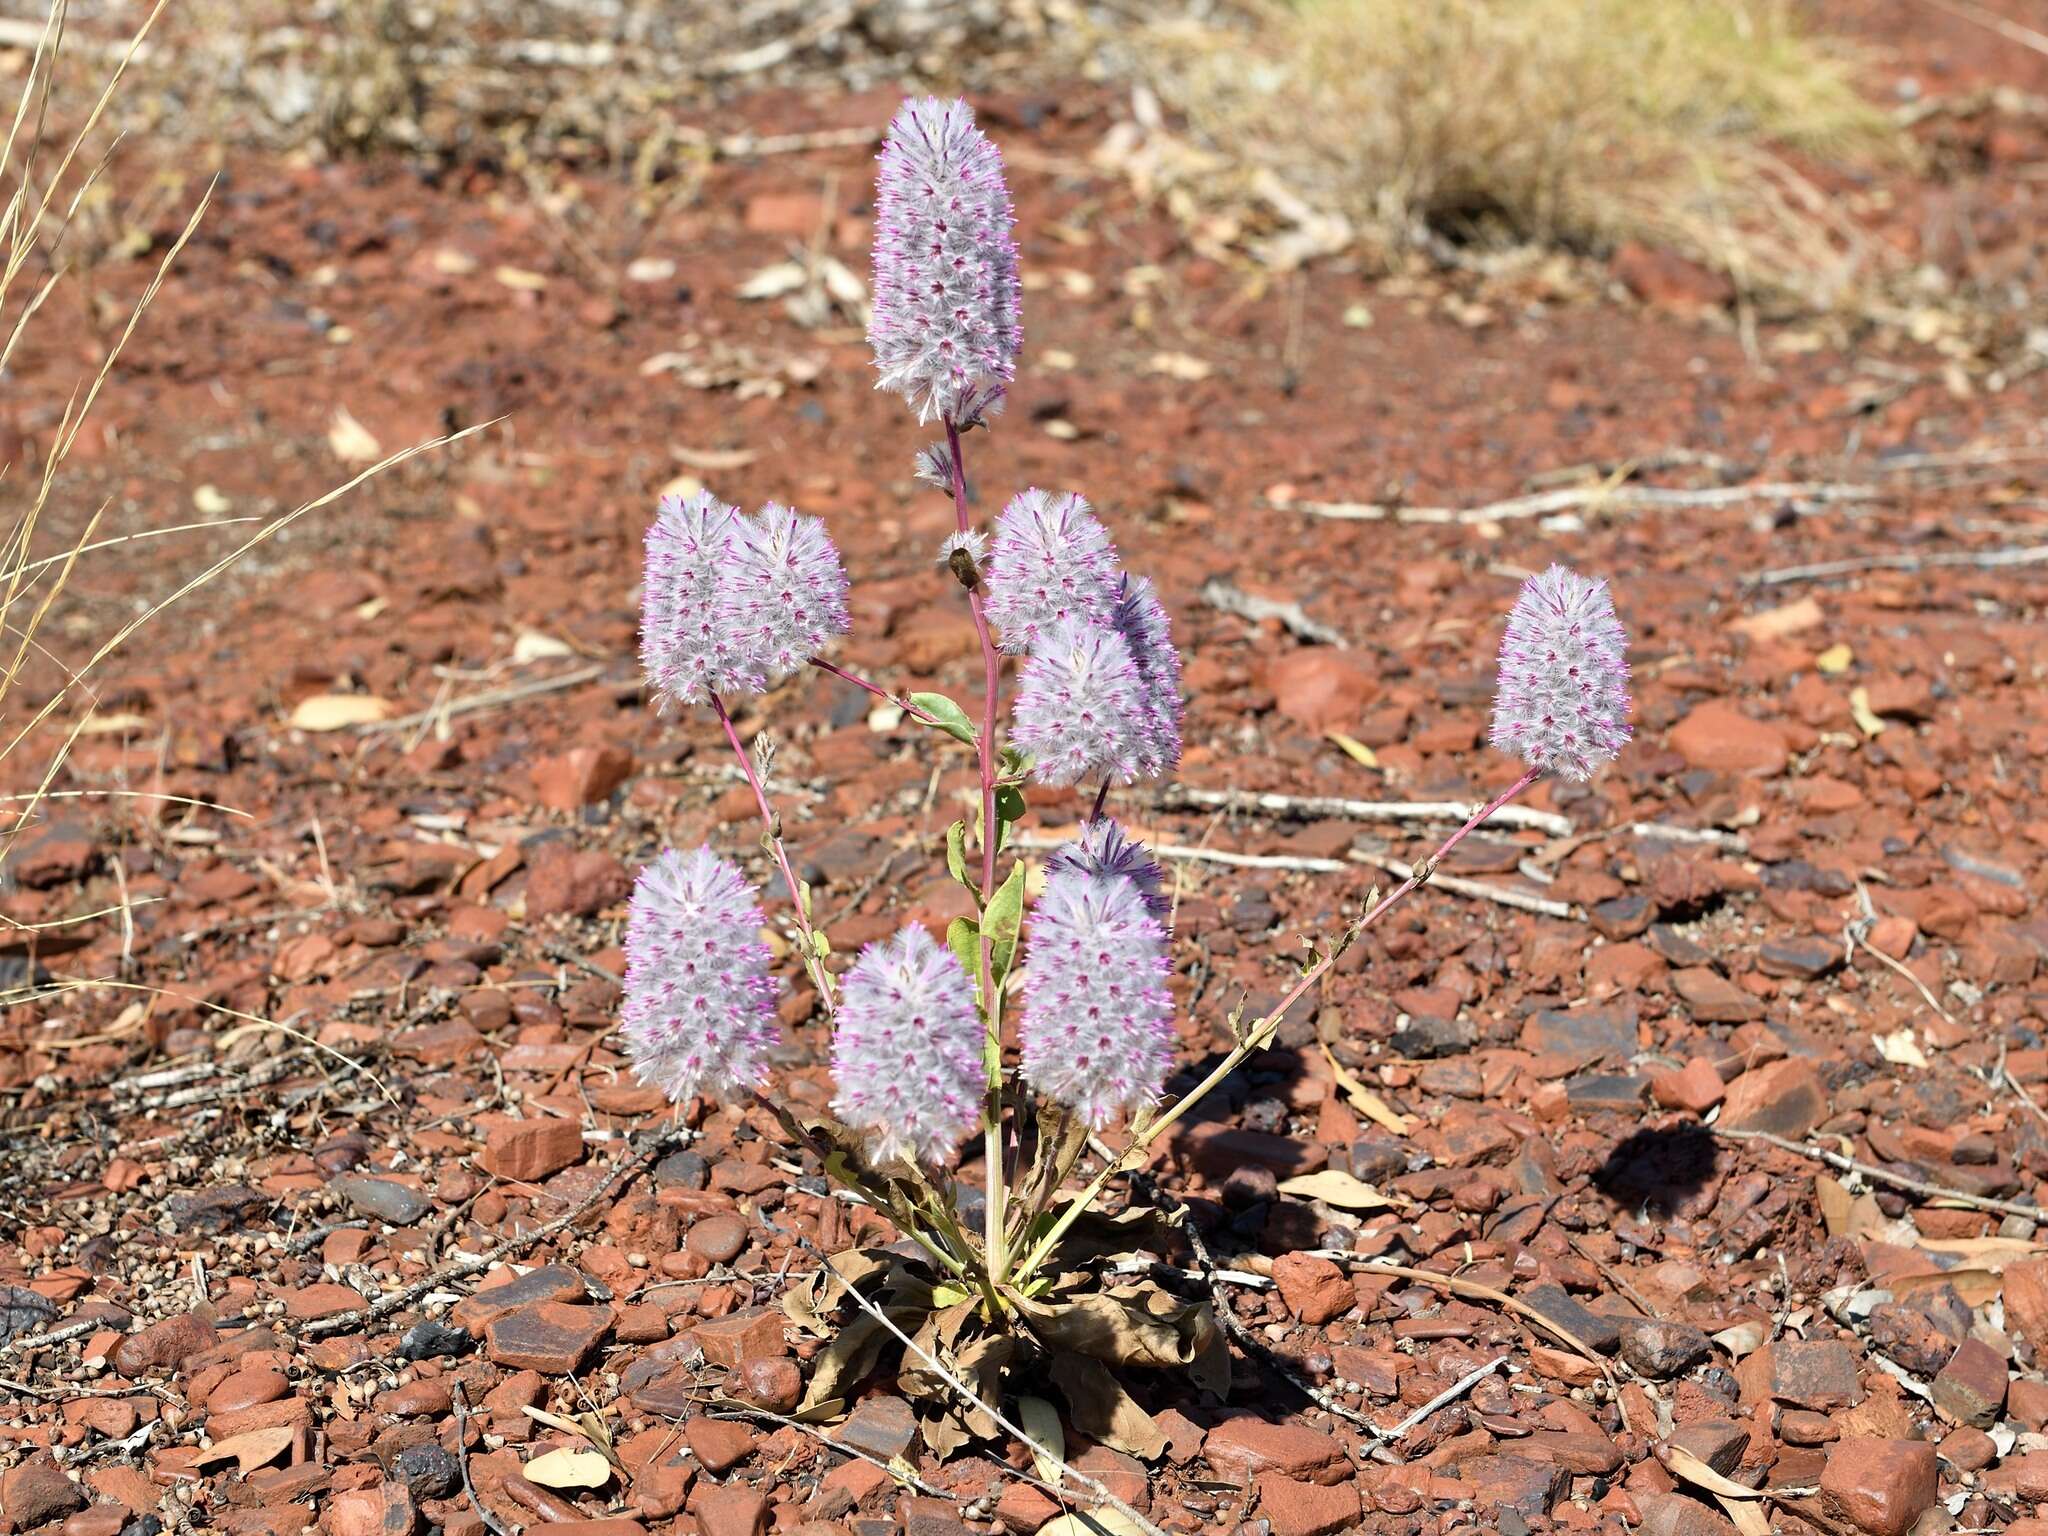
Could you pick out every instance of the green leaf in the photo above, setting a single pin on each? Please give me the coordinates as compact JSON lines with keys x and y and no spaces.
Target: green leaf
{"x":1005,"y":915}
{"x":963,"y":937}
{"x":956,"y":853}
{"x":946,"y":716}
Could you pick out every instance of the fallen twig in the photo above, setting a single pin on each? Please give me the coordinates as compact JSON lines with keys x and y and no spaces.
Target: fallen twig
{"x":1845,"y":1164}
{"x":1449,"y":1395}
{"x":1965,"y":559}
{"x":1225,"y":598}
{"x":728,"y":1407}
{"x":467,"y":1265}
{"x":1471,"y":1290}
{"x":491,"y":1522}
{"x":1308,"y":807}
{"x":1603,"y":497}
{"x":1302,"y":865}
{"x":490,"y":698}
{"x":1478,"y":890}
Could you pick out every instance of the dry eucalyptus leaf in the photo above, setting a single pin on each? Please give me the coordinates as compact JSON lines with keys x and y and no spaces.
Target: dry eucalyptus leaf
{"x":1096,"y":1522}
{"x":249,"y":1450}
{"x":1333,"y":1186}
{"x":567,"y":1467}
{"x":772,"y":282}
{"x":1041,"y":1421}
{"x":1899,"y":1048}
{"x":339,"y":711}
{"x":1355,"y":749}
{"x":532,"y":645}
{"x":1742,"y":1339}
{"x":350,"y":441}
{"x":1102,"y":1410}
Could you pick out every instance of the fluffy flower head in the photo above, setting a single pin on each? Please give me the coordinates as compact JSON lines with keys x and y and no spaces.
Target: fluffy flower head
{"x":699,"y":1008}
{"x":907,"y":1050}
{"x":1080,"y":707}
{"x":787,"y":591}
{"x":1104,"y":848}
{"x":1051,"y":561}
{"x":687,"y":646}
{"x":1142,"y":620}
{"x":732,"y":604}
{"x":1562,"y":703}
{"x":945,"y":318}
{"x":1097,"y":1032}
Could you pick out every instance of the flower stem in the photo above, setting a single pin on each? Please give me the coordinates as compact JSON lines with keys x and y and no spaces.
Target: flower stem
{"x":814,"y":963}
{"x":1261,"y":1033}
{"x":995,"y":1242}
{"x":923,"y":716}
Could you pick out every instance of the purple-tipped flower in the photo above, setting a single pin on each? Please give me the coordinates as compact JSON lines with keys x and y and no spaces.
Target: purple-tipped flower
{"x":785,"y":593}
{"x":1104,"y":848}
{"x":1080,"y":709}
{"x":944,"y":324}
{"x":907,"y":1052}
{"x":1141,"y":619}
{"x":687,"y":643}
{"x":1562,"y":705}
{"x":1051,"y":561}
{"x":1098,"y":1020}
{"x":699,"y":1009}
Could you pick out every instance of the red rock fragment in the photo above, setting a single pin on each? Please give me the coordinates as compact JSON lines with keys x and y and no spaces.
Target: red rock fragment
{"x":1306,"y":1509}
{"x":385,"y":1510}
{"x":1315,"y":1290}
{"x":1880,"y":1486}
{"x":1785,"y":1098}
{"x":1241,"y":1448}
{"x":37,"y":1491}
{"x":552,"y":1337}
{"x":1971,"y":1387}
{"x":581,"y":776}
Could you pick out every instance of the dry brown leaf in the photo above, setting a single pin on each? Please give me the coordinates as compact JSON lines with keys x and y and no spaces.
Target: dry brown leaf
{"x":1333,"y":1186}
{"x":568,"y":1467}
{"x":1354,"y":749}
{"x":1096,"y":1522}
{"x":1363,"y":1099}
{"x":350,"y":441}
{"x":249,"y":1450}
{"x":339,"y":711}
{"x":1041,"y":1421}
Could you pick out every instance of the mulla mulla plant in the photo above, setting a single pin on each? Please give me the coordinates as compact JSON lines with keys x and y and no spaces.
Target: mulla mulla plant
{"x":971,"y":1133}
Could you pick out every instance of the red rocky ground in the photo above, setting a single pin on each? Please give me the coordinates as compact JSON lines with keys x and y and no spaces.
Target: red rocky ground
{"x":436,"y":900}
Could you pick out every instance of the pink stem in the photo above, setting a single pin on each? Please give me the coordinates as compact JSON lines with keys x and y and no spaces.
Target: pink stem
{"x":876,"y":689}
{"x":814,"y":964}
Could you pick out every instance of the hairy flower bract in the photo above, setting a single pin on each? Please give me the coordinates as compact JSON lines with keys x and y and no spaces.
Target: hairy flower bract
{"x":1142,"y":620}
{"x":1080,"y":709}
{"x":945,"y":320}
{"x":699,"y":1009}
{"x":786,"y":591}
{"x":1562,"y":703}
{"x":688,"y":645}
{"x":1051,"y":561}
{"x":907,"y":1051}
{"x":1097,"y":1032}
{"x":1104,"y":848}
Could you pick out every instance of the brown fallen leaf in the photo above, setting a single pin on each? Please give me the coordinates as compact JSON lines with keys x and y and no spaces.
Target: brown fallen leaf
{"x":1363,"y":1099}
{"x":339,"y":711}
{"x":249,"y":1450}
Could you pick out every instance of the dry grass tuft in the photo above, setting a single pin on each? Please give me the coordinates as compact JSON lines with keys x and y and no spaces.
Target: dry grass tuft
{"x":1581,"y":123}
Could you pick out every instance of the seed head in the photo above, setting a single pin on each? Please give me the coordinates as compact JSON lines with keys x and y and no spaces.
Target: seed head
{"x":1104,"y":848}
{"x":786,"y":591}
{"x":1563,"y":703}
{"x":1097,"y":1032}
{"x":945,"y":319}
{"x":1141,"y":619}
{"x":1051,"y":561}
{"x":699,"y":1008}
{"x":687,"y":644}
{"x":1080,"y":707}
{"x":907,"y":1051}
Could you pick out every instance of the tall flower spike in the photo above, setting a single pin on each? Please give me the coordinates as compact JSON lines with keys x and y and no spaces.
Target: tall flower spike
{"x":907,"y":1051}
{"x":1051,"y":561}
{"x":786,"y":591}
{"x":1080,"y":708}
{"x":1104,"y":848}
{"x":1141,"y":619}
{"x":945,"y":319}
{"x":687,"y":644}
{"x":1097,"y":1032}
{"x":699,"y":1008}
{"x":1562,"y":704}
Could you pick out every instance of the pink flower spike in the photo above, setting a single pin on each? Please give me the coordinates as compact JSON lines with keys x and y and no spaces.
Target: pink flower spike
{"x":699,"y":1009}
{"x":1104,"y":848}
{"x":1080,"y":708}
{"x":1097,"y":1033}
{"x":1562,"y":704}
{"x":1051,"y":561}
{"x":906,"y":1053}
{"x":946,"y":298}
{"x":786,"y":592}
{"x":687,"y":644}
{"x":1142,"y":620}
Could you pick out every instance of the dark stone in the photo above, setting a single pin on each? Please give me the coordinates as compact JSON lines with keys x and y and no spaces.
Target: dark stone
{"x":882,"y":1426}
{"x":1583,"y":1035}
{"x":429,"y":1339}
{"x":1623,"y":917}
{"x":427,"y":1470}
{"x":1660,"y":1349}
{"x":1801,"y":959}
{"x":1607,"y":1090}
{"x":1676,"y":948}
{"x":1590,"y":1328}
{"x":1377,"y":1156}
{"x":23,"y":1311}
{"x":1424,"y":1039}
{"x":683,"y":1170}
{"x":383,"y":1199}
{"x":221,"y":1209}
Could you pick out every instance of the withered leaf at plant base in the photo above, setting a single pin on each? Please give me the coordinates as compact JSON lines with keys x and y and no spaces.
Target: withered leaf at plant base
{"x":1061,"y":1139}
{"x":1136,"y":1325}
{"x":840,"y":1366}
{"x":1098,"y":1235}
{"x":1210,"y":1370}
{"x":1102,"y":1410}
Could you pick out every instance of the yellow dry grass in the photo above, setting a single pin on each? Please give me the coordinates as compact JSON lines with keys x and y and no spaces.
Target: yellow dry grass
{"x":1573,"y":122}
